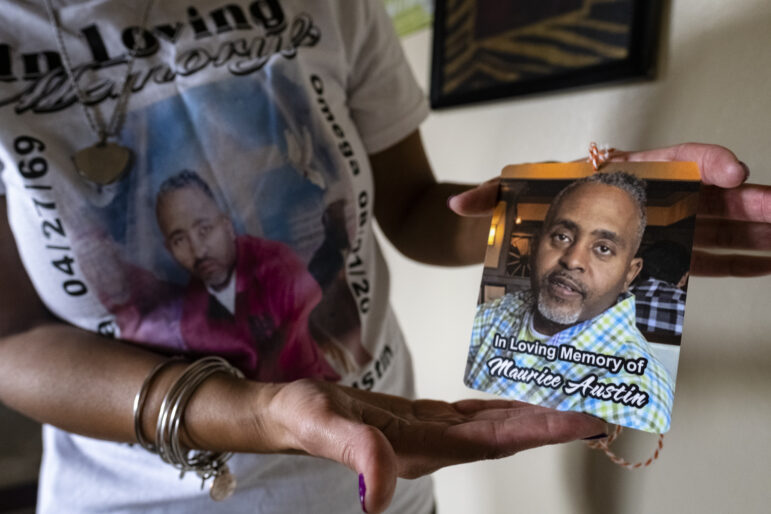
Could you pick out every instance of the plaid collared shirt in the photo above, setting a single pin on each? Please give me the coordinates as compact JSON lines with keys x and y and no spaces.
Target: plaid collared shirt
{"x":660,"y":306}
{"x":593,"y":385}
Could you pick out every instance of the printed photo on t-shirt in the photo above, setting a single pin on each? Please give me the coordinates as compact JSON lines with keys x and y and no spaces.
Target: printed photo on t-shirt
{"x":233,"y":231}
{"x":582,"y":300}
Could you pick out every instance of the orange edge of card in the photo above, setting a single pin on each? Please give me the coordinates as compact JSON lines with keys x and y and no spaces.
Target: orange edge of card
{"x":665,"y":170}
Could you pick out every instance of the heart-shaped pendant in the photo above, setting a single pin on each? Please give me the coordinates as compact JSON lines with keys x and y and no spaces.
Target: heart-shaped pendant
{"x":103,"y":163}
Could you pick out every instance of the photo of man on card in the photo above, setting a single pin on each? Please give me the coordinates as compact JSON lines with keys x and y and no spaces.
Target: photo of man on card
{"x":567,"y":337}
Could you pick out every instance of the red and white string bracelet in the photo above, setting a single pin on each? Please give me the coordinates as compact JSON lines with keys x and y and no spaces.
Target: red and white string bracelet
{"x":598,"y":155}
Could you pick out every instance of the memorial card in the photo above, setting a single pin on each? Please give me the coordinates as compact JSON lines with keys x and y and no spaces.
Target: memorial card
{"x":583,"y":293}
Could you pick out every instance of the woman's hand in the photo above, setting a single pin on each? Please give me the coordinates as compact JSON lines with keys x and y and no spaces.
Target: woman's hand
{"x":384,"y":437}
{"x":732,"y":215}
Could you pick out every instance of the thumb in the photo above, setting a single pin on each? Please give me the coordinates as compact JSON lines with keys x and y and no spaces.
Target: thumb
{"x":373,"y":457}
{"x":321,"y":419}
{"x":478,"y":201}
{"x":365,"y":450}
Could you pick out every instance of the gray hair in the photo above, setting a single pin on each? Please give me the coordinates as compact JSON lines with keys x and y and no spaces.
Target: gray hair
{"x":630,"y":184}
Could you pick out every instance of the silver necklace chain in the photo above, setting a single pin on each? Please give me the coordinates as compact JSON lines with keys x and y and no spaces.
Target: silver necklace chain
{"x":95,"y":120}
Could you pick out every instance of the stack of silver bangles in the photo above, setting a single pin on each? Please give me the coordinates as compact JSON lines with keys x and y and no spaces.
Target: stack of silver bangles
{"x":206,"y":464}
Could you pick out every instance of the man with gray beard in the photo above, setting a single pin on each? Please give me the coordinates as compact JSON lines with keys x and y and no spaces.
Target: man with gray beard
{"x":584,"y":262}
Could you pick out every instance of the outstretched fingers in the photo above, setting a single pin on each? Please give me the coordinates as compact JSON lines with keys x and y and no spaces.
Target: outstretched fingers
{"x":381,"y":436}
{"x":494,"y":436}
{"x":480,"y":432}
{"x":473,"y":406}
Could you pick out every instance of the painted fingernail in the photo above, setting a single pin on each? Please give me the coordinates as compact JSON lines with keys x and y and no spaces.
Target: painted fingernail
{"x":362,"y":492}
{"x":598,"y":436}
{"x":746,"y":170}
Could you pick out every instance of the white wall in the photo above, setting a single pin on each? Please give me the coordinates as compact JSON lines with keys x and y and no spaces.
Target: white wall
{"x":713,"y":86}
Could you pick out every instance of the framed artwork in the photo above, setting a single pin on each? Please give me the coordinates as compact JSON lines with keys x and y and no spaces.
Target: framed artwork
{"x":488,"y":49}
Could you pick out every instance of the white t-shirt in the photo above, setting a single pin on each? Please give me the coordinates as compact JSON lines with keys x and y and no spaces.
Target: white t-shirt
{"x":274,"y":105}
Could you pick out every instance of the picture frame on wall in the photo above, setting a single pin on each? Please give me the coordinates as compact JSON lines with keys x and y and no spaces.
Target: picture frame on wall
{"x":488,"y":49}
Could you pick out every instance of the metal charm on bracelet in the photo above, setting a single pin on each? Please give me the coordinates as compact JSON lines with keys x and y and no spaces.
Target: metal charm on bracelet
{"x":206,"y":464}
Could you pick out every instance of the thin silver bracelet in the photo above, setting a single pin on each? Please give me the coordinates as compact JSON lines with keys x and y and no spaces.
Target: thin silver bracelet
{"x":206,"y":464}
{"x":139,"y":403}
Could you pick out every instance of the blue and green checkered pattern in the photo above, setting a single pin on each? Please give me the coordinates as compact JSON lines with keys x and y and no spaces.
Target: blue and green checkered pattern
{"x":611,"y":333}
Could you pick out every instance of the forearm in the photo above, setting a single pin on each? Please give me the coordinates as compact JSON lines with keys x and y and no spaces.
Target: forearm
{"x":411,"y":208}
{"x":86,"y":384}
{"x":431,"y":233}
